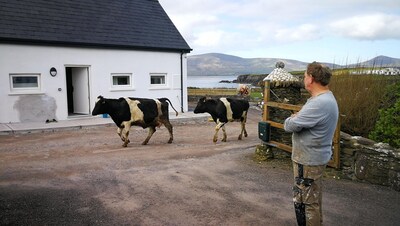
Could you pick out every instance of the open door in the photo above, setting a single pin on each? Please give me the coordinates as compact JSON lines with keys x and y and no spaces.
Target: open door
{"x":78,"y":90}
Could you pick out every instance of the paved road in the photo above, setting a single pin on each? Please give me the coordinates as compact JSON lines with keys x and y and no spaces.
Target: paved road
{"x":85,"y":177}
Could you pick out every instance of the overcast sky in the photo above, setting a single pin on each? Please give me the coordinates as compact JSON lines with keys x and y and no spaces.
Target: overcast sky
{"x":333,"y":31}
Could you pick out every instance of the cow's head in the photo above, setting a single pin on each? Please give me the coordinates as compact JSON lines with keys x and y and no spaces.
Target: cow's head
{"x":201,"y":106}
{"x":100,"y":107}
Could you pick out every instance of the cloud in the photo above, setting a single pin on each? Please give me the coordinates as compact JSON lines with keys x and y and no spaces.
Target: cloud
{"x":286,"y":27}
{"x":190,"y":24}
{"x":209,"y":38}
{"x":304,"y":32}
{"x":369,"y":27}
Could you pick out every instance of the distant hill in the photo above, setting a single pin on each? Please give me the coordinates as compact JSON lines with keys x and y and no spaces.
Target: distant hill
{"x":379,"y":61}
{"x":223,"y":64}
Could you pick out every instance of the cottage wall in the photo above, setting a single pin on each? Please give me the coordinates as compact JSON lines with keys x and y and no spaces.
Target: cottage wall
{"x":51,"y":101}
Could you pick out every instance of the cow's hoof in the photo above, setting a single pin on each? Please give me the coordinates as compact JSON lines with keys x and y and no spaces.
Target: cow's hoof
{"x":170,"y":141}
{"x":223,"y":140}
{"x":215,"y":139}
{"x":144,"y":143}
{"x":124,"y":145}
{"x":240,"y":137}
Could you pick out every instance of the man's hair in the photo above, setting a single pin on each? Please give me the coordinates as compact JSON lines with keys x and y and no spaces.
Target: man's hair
{"x":321,"y":73}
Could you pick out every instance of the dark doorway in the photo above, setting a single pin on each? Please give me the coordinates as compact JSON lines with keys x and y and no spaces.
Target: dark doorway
{"x":77,"y":79}
{"x":70,"y":90}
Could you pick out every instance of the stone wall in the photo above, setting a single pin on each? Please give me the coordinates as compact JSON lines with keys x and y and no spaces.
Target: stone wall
{"x":367,"y":161}
{"x":289,"y":95}
{"x":361,"y":160}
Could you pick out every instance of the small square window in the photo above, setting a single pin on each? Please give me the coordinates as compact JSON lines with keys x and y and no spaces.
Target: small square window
{"x":24,"y":82}
{"x":158,"y":80}
{"x":121,"y":81}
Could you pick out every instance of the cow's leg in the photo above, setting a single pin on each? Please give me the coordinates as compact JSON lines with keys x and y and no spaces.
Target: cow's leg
{"x":219,"y":125}
{"x":119,"y":131}
{"x":168,"y":125}
{"x":224,"y":132}
{"x":241,"y":131}
{"x":125,"y":134}
{"x":152,"y":129}
{"x":243,"y":125}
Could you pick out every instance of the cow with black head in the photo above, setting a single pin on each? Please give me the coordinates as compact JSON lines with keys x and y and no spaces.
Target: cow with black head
{"x":128,"y":111}
{"x":224,"y":110}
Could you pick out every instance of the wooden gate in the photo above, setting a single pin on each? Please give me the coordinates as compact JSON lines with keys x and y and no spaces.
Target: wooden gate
{"x":335,"y":160}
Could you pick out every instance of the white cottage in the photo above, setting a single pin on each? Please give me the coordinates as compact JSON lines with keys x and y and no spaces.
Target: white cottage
{"x":57,"y":56}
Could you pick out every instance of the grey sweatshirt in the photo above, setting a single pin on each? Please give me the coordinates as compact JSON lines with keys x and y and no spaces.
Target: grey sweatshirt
{"x":313,"y":128}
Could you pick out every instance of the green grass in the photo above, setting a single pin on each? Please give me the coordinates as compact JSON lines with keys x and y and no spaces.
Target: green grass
{"x":256,"y":95}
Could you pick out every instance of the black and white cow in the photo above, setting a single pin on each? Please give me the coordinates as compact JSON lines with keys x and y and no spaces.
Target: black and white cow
{"x":224,"y":110}
{"x":129,"y":111}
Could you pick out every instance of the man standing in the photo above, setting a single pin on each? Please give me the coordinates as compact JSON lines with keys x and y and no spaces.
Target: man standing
{"x":313,"y":128}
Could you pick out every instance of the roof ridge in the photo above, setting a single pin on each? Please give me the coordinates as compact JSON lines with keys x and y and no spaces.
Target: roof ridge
{"x":141,"y":24}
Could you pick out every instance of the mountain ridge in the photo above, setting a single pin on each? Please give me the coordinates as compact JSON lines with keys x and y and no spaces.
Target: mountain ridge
{"x":224,"y":64}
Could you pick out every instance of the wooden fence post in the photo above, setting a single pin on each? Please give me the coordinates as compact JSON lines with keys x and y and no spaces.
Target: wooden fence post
{"x":267,"y":93}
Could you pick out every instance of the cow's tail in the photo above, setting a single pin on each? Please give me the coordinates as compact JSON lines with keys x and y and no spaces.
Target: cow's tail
{"x":170,"y":104}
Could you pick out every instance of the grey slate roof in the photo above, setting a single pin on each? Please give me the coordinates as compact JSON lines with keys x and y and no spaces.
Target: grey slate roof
{"x":132,"y":24}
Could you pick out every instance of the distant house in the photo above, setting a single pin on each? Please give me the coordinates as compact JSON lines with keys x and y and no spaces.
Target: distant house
{"x":382,"y":71}
{"x":57,"y":56}
{"x":386,"y":71}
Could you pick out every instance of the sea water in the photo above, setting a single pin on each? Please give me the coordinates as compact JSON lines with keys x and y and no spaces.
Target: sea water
{"x":211,"y":81}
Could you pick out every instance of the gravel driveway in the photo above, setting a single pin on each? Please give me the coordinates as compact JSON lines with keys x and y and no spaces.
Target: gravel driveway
{"x":85,"y":177}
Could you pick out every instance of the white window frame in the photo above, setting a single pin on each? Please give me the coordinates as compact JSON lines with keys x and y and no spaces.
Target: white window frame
{"x":121,"y":87}
{"x":25,"y":90}
{"x":159,"y":86}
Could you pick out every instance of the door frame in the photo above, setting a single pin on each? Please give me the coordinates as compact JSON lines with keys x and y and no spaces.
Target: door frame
{"x":82,"y":88}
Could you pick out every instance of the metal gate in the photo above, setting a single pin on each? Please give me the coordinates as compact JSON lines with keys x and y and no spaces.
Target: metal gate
{"x":335,"y":160}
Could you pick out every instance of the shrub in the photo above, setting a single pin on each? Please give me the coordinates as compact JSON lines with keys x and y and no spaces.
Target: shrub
{"x":387,"y":128}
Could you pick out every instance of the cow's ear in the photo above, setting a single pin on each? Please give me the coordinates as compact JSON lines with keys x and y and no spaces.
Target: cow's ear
{"x":101,"y":99}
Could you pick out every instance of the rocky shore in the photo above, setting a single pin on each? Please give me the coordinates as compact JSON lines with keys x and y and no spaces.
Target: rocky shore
{"x":247,"y":79}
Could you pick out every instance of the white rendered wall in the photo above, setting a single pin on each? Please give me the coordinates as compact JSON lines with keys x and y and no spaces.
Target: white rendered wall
{"x":101,"y":63}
